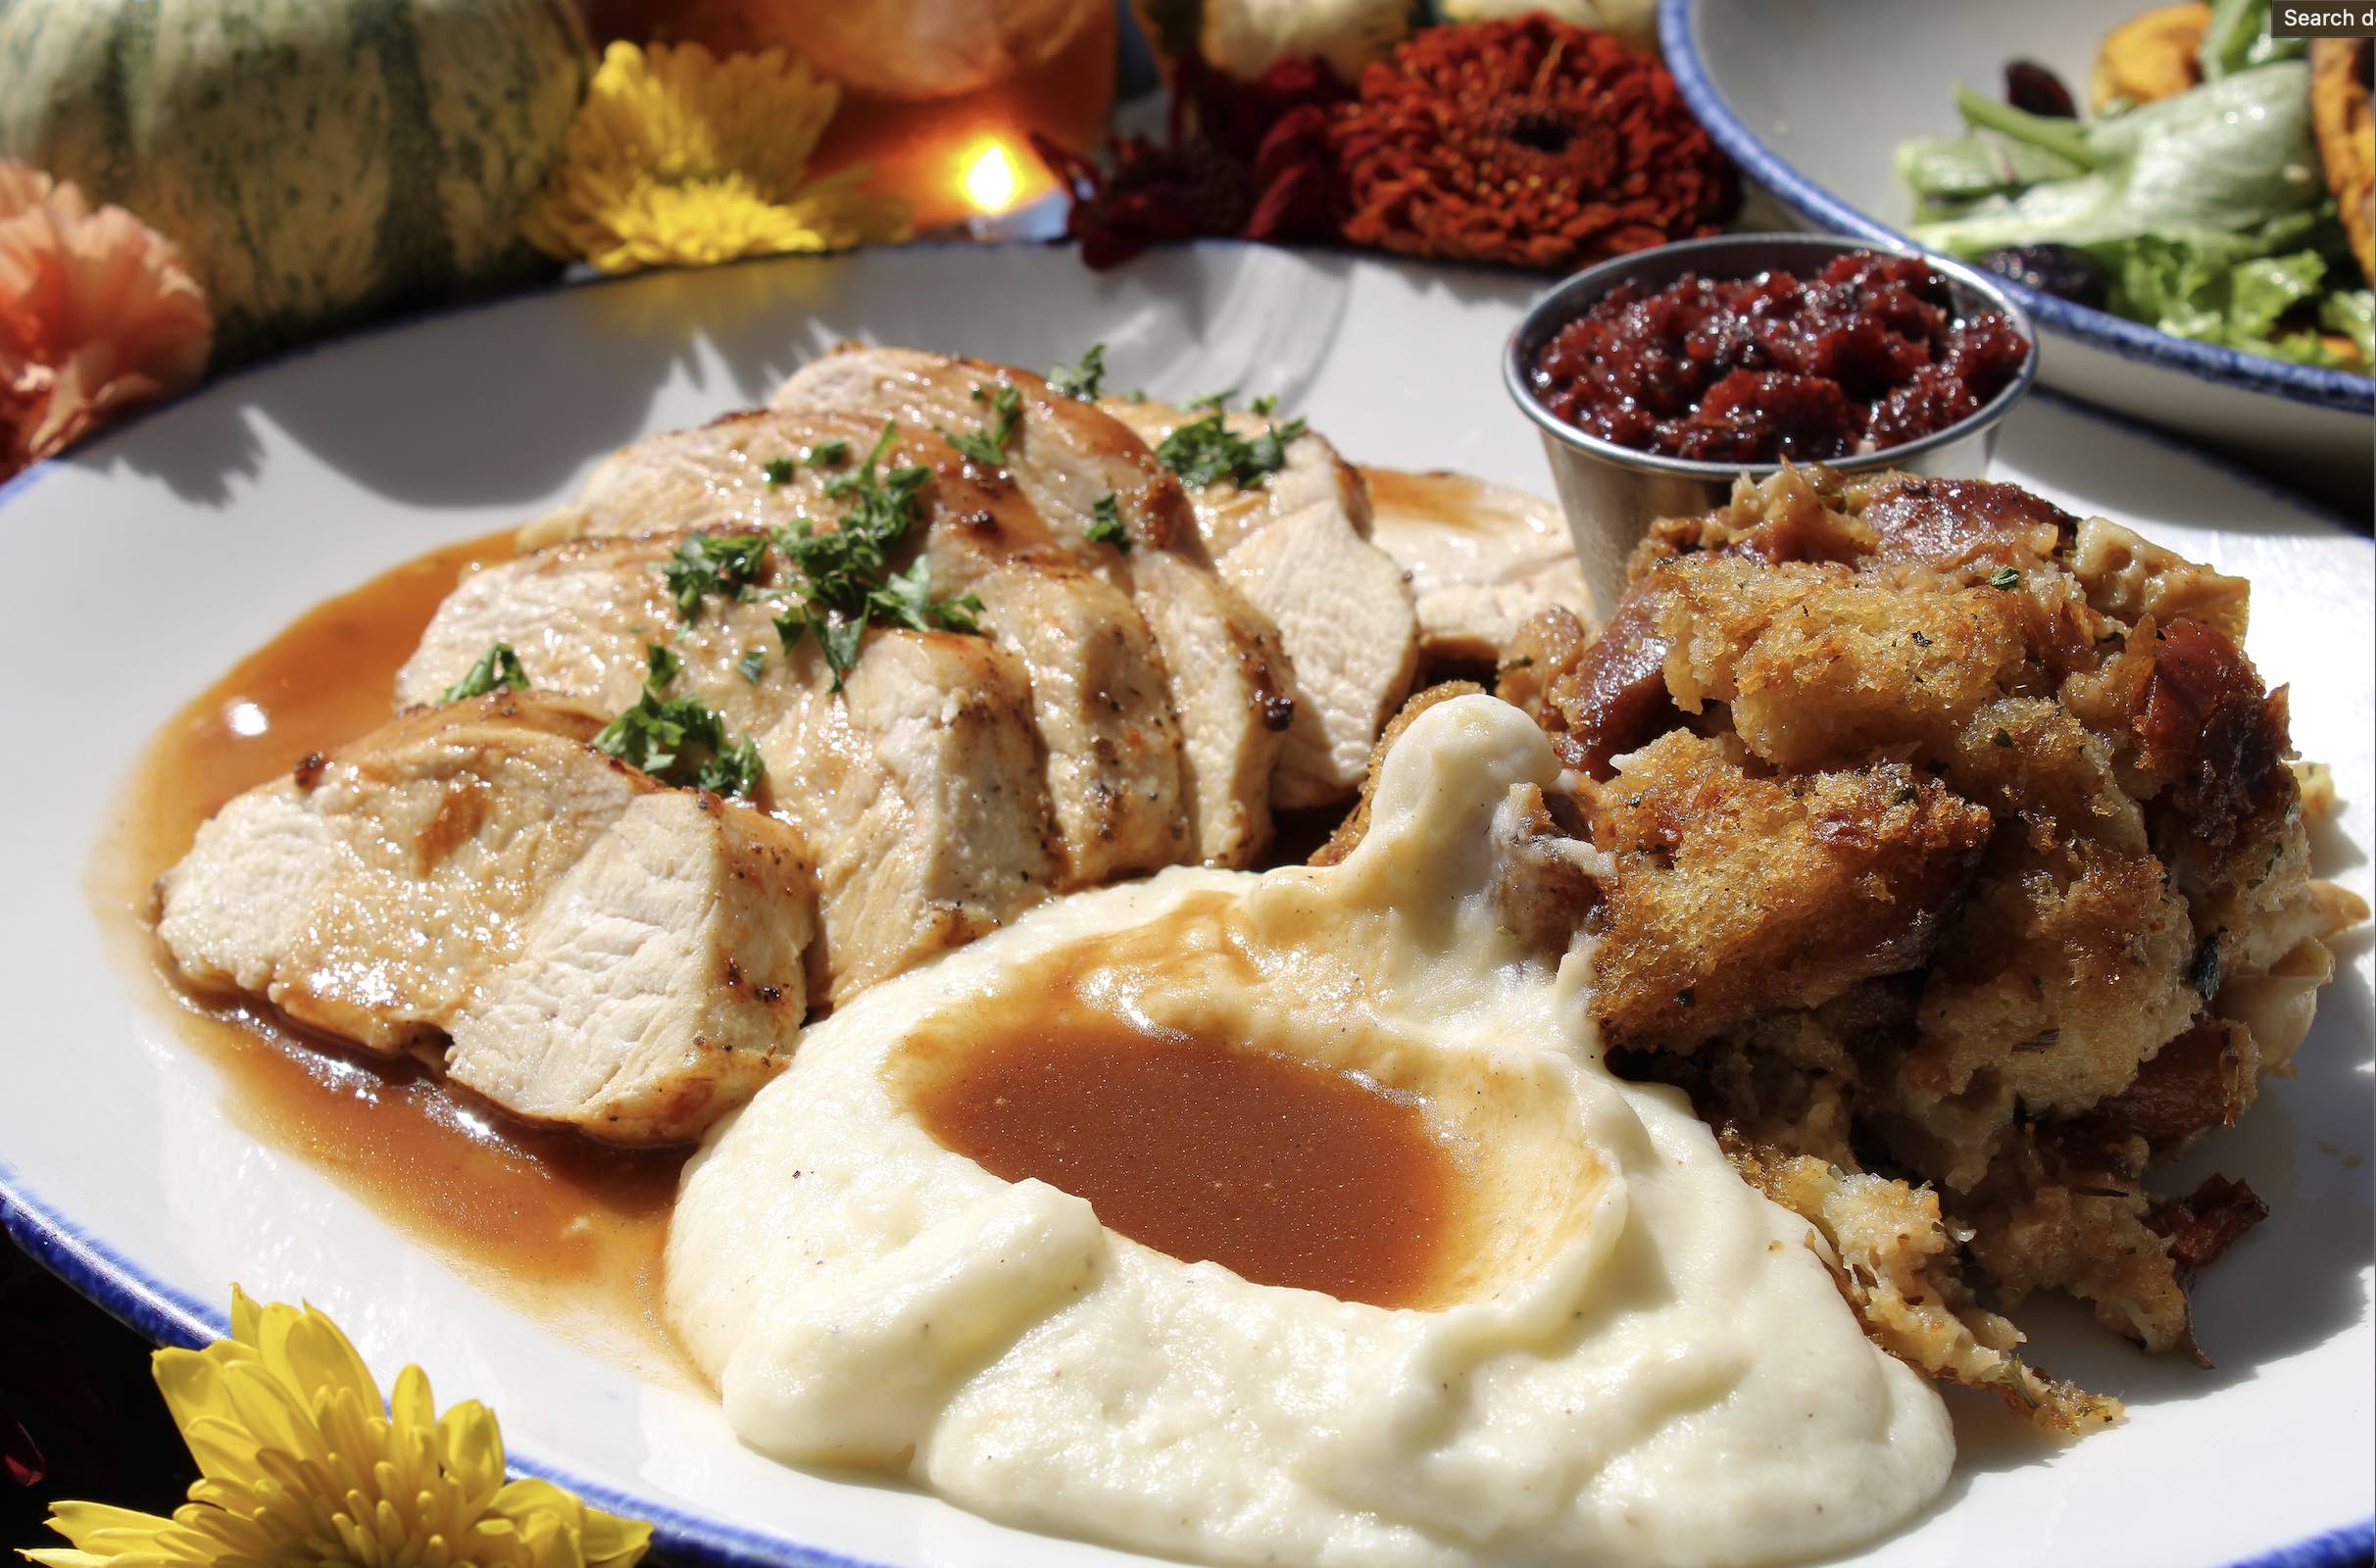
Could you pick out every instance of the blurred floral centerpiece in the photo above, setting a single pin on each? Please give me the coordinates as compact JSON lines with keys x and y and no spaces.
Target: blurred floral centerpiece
{"x":1521,"y":135}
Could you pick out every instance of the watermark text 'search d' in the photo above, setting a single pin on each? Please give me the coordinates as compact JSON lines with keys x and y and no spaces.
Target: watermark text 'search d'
{"x":2322,"y":21}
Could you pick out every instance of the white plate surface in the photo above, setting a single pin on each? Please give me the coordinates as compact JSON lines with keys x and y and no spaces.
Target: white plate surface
{"x":147,"y":565}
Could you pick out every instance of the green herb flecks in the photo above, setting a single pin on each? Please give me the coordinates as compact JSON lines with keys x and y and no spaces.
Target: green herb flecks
{"x":1106,"y":526}
{"x":906,"y":599}
{"x":704,"y":564}
{"x":988,"y":445}
{"x":845,"y":573}
{"x":1205,"y":451}
{"x":778,"y":471}
{"x":497,"y":667}
{"x":1213,"y":402}
{"x":828,"y":454}
{"x":751,"y":664}
{"x":680,"y":740}
{"x":1083,"y":380}
{"x":2004,"y":577}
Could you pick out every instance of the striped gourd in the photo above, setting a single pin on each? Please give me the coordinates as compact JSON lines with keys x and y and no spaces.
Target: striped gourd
{"x":317,"y":160}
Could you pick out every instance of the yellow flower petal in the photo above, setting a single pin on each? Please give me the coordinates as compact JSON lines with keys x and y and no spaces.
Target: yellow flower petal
{"x":301,"y":1462}
{"x":80,"y":1522}
{"x":469,"y":1448}
{"x":679,"y":158}
{"x":319,"y":1358}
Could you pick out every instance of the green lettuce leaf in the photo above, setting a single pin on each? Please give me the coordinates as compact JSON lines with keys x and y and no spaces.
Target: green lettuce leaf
{"x":2351,"y":314}
{"x":2207,"y":209}
{"x":2239,"y":38}
{"x":1955,"y":168}
{"x":2227,"y":155}
{"x":2262,"y":292}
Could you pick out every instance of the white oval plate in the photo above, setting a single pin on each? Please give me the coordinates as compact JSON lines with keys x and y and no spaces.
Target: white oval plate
{"x":1766,"y":77}
{"x":147,"y":563}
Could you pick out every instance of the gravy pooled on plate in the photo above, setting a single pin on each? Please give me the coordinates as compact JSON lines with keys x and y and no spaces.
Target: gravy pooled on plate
{"x":1200,"y":1146}
{"x":544,"y":1217}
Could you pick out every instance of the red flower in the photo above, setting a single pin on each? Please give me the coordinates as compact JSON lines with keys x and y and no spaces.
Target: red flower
{"x":1246,"y":160}
{"x":1526,"y":141}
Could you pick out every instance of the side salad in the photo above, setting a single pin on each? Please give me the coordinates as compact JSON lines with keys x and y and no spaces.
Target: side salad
{"x":2204,"y":213}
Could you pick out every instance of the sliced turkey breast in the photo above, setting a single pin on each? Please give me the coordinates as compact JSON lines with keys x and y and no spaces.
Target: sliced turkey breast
{"x":922,"y":783}
{"x":571,"y":938}
{"x":1296,"y":545}
{"x":742,"y":473}
{"x":1099,"y":695}
{"x":919,"y":787}
{"x":1481,"y":558}
{"x":580,"y":614}
{"x":1099,"y":702}
{"x":1223,"y":663}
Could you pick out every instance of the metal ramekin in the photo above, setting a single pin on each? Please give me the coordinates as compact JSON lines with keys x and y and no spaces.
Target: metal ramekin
{"x":1611,"y":494}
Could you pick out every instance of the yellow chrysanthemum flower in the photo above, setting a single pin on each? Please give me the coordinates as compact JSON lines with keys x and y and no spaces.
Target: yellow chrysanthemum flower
{"x":677,"y":158}
{"x":300,"y":1461}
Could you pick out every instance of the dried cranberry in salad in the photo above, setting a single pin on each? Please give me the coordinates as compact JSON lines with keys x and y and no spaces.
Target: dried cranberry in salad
{"x":1865,"y":355}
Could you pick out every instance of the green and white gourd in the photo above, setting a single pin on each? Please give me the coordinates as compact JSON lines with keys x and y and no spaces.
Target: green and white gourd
{"x":317,"y":160}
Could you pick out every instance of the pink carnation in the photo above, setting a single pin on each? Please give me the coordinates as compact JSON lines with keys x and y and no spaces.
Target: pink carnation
{"x":97,"y":314}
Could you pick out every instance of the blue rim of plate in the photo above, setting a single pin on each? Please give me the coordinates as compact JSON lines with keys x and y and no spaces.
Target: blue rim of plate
{"x":166,"y":1315}
{"x":2099,"y":329}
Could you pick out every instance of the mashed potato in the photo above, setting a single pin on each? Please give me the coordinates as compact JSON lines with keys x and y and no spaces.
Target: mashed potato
{"x":1629,"y":1355}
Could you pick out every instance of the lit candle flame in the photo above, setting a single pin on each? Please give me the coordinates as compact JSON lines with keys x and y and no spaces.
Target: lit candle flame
{"x":990,"y":176}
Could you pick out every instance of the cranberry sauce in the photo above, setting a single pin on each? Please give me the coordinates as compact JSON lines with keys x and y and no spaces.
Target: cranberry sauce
{"x":1868,"y":354}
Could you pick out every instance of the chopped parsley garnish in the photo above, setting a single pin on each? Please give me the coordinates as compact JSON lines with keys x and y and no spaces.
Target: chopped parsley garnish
{"x":829,"y":454}
{"x":2004,"y":577}
{"x":988,"y":445}
{"x":2001,"y":738}
{"x":497,"y":667}
{"x":846,"y":572}
{"x":704,"y":565}
{"x":680,"y":740}
{"x":1106,"y":524}
{"x":1213,"y":402}
{"x":1082,"y":380}
{"x":906,"y":599}
{"x":778,"y":471}
{"x":753,"y":664}
{"x":1266,"y":403}
{"x":1205,"y":450}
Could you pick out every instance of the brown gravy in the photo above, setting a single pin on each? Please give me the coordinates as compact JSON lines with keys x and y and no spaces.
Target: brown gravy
{"x":1280,"y":1170}
{"x":540,"y":1215}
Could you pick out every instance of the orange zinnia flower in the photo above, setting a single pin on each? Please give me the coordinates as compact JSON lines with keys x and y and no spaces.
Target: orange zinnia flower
{"x":1529,"y":142}
{"x":97,"y":314}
